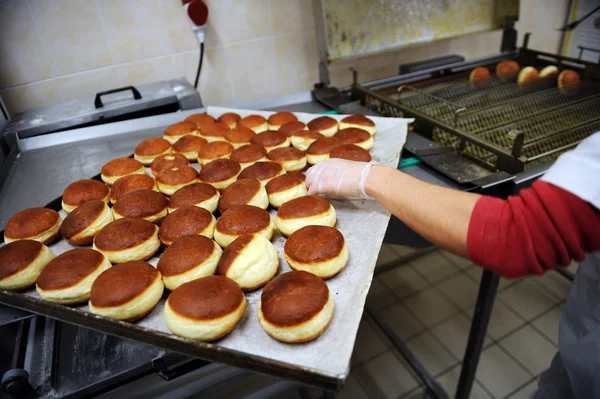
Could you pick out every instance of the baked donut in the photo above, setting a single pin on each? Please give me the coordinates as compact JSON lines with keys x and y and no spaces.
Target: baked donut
{"x":230,"y":119}
{"x":320,"y":250}
{"x":285,"y":188}
{"x":244,"y":192}
{"x":82,"y":191}
{"x":295,"y":307}
{"x":548,"y":71}
{"x":214,"y":150}
{"x":127,"y":239}
{"x":146,"y":204}
{"x":126,"y":292}
{"x":21,"y":262}
{"x":243,"y":219}
{"x":304,"y":211}
{"x":220,"y":173}
{"x":168,"y":161}
{"x":179,"y":130}
{"x":352,"y":135}
{"x":302,"y":139}
{"x":205,"y":309}
{"x":249,"y":154}
{"x":319,"y":150}
{"x":359,"y":122}
{"x":67,"y":279}
{"x":255,"y":122}
{"x":117,"y":168}
{"x":262,"y":171}
{"x":188,"y":258}
{"x":271,"y":139}
{"x":507,"y":69}
{"x":568,"y":78}
{"x":200,"y":119}
{"x":292,"y":127}
{"x":351,"y":152}
{"x":188,"y":146}
{"x":38,"y":224}
{"x":325,"y":125}
{"x":527,"y":74}
{"x":290,"y":158}
{"x":196,"y":194}
{"x":150,"y":148}
{"x":250,"y":260}
{"x":127,"y":184}
{"x":174,"y":178}
{"x":214,"y":131}
{"x":239,"y":136}
{"x":478,"y":74}
{"x":191,"y":220}
{"x":81,"y":226}
{"x":279,"y":119}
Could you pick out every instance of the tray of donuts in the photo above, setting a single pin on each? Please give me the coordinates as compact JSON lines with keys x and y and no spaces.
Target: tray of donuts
{"x":207,"y":234}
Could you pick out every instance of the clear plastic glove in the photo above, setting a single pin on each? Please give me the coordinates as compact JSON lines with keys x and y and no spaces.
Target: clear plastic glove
{"x":339,"y":178}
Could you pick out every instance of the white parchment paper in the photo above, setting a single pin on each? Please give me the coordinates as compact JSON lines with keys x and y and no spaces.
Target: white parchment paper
{"x":363,"y":224}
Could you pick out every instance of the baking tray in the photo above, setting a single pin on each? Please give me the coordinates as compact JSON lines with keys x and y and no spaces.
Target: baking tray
{"x":323,"y":362}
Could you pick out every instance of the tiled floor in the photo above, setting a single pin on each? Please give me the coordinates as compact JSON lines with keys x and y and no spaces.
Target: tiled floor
{"x":429,"y":302}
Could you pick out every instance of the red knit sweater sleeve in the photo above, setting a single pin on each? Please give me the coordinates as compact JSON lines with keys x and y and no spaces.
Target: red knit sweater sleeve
{"x":542,"y":228}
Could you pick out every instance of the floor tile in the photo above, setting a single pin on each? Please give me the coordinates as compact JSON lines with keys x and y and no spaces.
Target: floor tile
{"x":503,"y":320}
{"x":574,"y":266}
{"x":402,"y":321}
{"x":532,"y":350}
{"x":403,"y":281}
{"x":476,"y":271}
{"x":449,"y":380}
{"x":352,"y":389}
{"x":386,"y":255}
{"x":369,"y":342}
{"x":527,"y":299}
{"x":461,"y":290}
{"x":403,"y":250}
{"x":419,"y":393}
{"x":454,"y":334}
{"x":499,"y":373}
{"x":461,"y":262}
{"x":434,"y":267}
{"x":380,"y":296}
{"x":526,"y":391}
{"x":430,"y":353}
{"x":555,"y":285}
{"x":386,"y":376}
{"x":430,"y":306}
{"x":547,"y":324}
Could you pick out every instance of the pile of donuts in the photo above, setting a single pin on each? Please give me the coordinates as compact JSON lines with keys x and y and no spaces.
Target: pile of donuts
{"x":211,"y":228}
{"x":509,"y":69}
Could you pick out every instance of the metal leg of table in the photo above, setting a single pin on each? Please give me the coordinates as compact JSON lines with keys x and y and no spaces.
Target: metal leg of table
{"x":565,"y":273}
{"x":481,"y":319}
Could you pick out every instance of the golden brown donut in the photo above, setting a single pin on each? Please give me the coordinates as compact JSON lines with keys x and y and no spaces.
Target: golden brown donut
{"x":68,"y":278}
{"x":179,"y":130}
{"x":81,"y":226}
{"x":214,"y":131}
{"x":548,"y":71}
{"x":127,"y":239}
{"x":304,"y":211}
{"x":244,"y":192}
{"x":351,"y":152}
{"x":302,"y":139}
{"x":279,"y":119}
{"x":255,"y":122}
{"x":320,"y":250}
{"x":230,"y":119}
{"x":174,"y":178}
{"x":147,"y":150}
{"x":82,"y":191}
{"x":38,"y":224}
{"x":319,"y":150}
{"x":325,"y":125}
{"x":239,"y":136}
{"x":117,"y":168}
{"x":527,"y":74}
{"x":220,"y":173}
{"x":214,"y":150}
{"x":200,"y":119}
{"x":353,"y":135}
{"x":507,"y":69}
{"x":358,"y":122}
{"x":168,"y":161}
{"x":126,"y":292}
{"x":292,"y":127}
{"x":127,"y":184}
{"x":271,"y":139}
{"x":243,"y":219}
{"x":146,"y":204}
{"x":295,"y":307}
{"x":188,"y":258}
{"x":285,"y":188}
{"x":567,"y":78}
{"x":478,"y":74}
{"x":21,"y":262}
{"x":247,"y":155}
{"x":188,"y":146}
{"x":262,"y":171}
{"x":205,"y":309}
{"x":202,"y":195}
{"x":290,"y":158}
{"x":191,"y":220}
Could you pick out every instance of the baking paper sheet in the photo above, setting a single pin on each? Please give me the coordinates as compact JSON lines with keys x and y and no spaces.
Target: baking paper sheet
{"x":363,"y":224}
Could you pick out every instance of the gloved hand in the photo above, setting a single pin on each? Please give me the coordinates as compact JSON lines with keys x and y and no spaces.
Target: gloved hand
{"x":339,"y":178}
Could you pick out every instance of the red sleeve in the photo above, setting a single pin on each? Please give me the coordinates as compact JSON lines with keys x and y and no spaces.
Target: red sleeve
{"x":540,"y":229}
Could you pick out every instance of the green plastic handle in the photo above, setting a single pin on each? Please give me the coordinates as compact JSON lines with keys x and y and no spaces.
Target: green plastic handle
{"x":329,"y":112}
{"x":406,"y":162}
